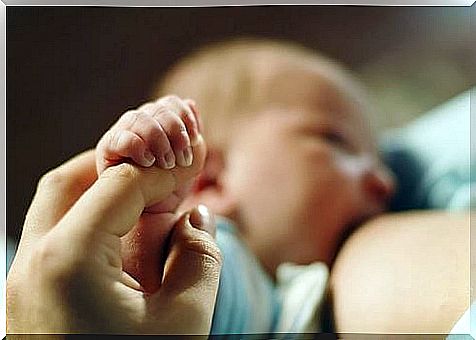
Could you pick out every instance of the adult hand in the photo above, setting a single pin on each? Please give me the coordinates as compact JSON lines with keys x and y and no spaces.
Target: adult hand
{"x":67,"y":276}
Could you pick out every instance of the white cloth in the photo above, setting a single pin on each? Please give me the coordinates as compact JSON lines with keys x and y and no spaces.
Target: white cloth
{"x":249,"y":302}
{"x":302,"y":290}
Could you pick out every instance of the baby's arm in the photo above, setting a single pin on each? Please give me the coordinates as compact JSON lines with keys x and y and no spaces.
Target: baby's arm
{"x":160,"y":132}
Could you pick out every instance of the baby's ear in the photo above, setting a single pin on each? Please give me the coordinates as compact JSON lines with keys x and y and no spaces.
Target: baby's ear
{"x":209,"y":187}
{"x":211,"y":173}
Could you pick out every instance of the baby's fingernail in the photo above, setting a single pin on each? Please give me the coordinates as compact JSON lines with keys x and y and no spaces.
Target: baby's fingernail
{"x":198,"y":117}
{"x":185,"y":157}
{"x":149,"y":158}
{"x":188,"y":155}
{"x":194,"y":137}
{"x":180,"y":158}
{"x":169,"y":160}
{"x":162,"y":163}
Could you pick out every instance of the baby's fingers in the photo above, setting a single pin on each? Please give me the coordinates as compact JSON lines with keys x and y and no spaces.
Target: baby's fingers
{"x":182,"y":109}
{"x":178,"y":137}
{"x":191,"y":123}
{"x":179,"y":122}
{"x":168,"y":116}
{"x":198,"y":119}
{"x":151,"y":132}
{"x":118,"y":144}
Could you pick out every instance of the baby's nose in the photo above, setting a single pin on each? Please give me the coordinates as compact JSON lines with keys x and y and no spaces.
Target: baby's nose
{"x":379,"y":184}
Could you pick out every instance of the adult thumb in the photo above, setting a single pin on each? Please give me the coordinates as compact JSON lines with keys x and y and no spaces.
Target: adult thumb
{"x":192,"y":269}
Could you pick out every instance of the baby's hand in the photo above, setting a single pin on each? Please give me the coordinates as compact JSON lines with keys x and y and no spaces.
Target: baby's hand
{"x":161,"y":132}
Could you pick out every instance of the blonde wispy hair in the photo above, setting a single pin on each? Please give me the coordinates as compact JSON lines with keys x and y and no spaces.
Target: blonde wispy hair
{"x":226,"y":78}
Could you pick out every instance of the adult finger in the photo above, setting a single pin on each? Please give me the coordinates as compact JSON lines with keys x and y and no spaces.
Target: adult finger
{"x":192,"y":270}
{"x":143,"y":249}
{"x":58,"y":190}
{"x":115,"y":201}
{"x":201,"y":218}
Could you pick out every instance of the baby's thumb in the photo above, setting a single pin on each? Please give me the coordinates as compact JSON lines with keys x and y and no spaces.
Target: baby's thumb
{"x":192,"y":268}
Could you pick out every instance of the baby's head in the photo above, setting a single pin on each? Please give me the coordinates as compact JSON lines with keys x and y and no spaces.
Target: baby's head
{"x":292,"y":160}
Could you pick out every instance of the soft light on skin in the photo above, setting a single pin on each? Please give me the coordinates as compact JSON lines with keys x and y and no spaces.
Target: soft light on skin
{"x":301,"y":170}
{"x":294,"y":163}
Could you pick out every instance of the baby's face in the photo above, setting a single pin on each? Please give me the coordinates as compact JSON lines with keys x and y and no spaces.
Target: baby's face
{"x":304,"y":169}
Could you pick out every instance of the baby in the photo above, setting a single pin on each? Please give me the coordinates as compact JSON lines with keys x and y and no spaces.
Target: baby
{"x":291,"y":156}
{"x":291,"y":166}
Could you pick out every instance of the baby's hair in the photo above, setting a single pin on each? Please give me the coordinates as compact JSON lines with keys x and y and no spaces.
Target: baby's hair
{"x":226,"y":78}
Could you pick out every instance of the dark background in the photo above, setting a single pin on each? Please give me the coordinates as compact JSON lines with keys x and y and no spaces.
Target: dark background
{"x":71,"y":71}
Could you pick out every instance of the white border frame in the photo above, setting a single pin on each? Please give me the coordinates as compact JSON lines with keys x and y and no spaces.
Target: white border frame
{"x":173,"y":3}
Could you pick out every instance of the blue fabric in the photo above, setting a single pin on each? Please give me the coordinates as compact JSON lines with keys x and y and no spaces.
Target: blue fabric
{"x":243,"y":286}
{"x":431,"y":158}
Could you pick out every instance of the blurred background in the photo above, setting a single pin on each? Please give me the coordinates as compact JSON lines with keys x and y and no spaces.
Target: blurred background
{"x":71,"y":71}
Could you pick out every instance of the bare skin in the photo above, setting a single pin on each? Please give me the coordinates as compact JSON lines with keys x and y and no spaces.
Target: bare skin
{"x":298,"y":172}
{"x":67,"y":275}
{"x":404,"y":273}
{"x":165,"y":134}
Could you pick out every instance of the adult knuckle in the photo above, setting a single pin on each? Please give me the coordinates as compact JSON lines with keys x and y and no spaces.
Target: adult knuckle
{"x":206,"y":248}
{"x":53,"y":180}
{"x":47,"y":262}
{"x":43,"y":256}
